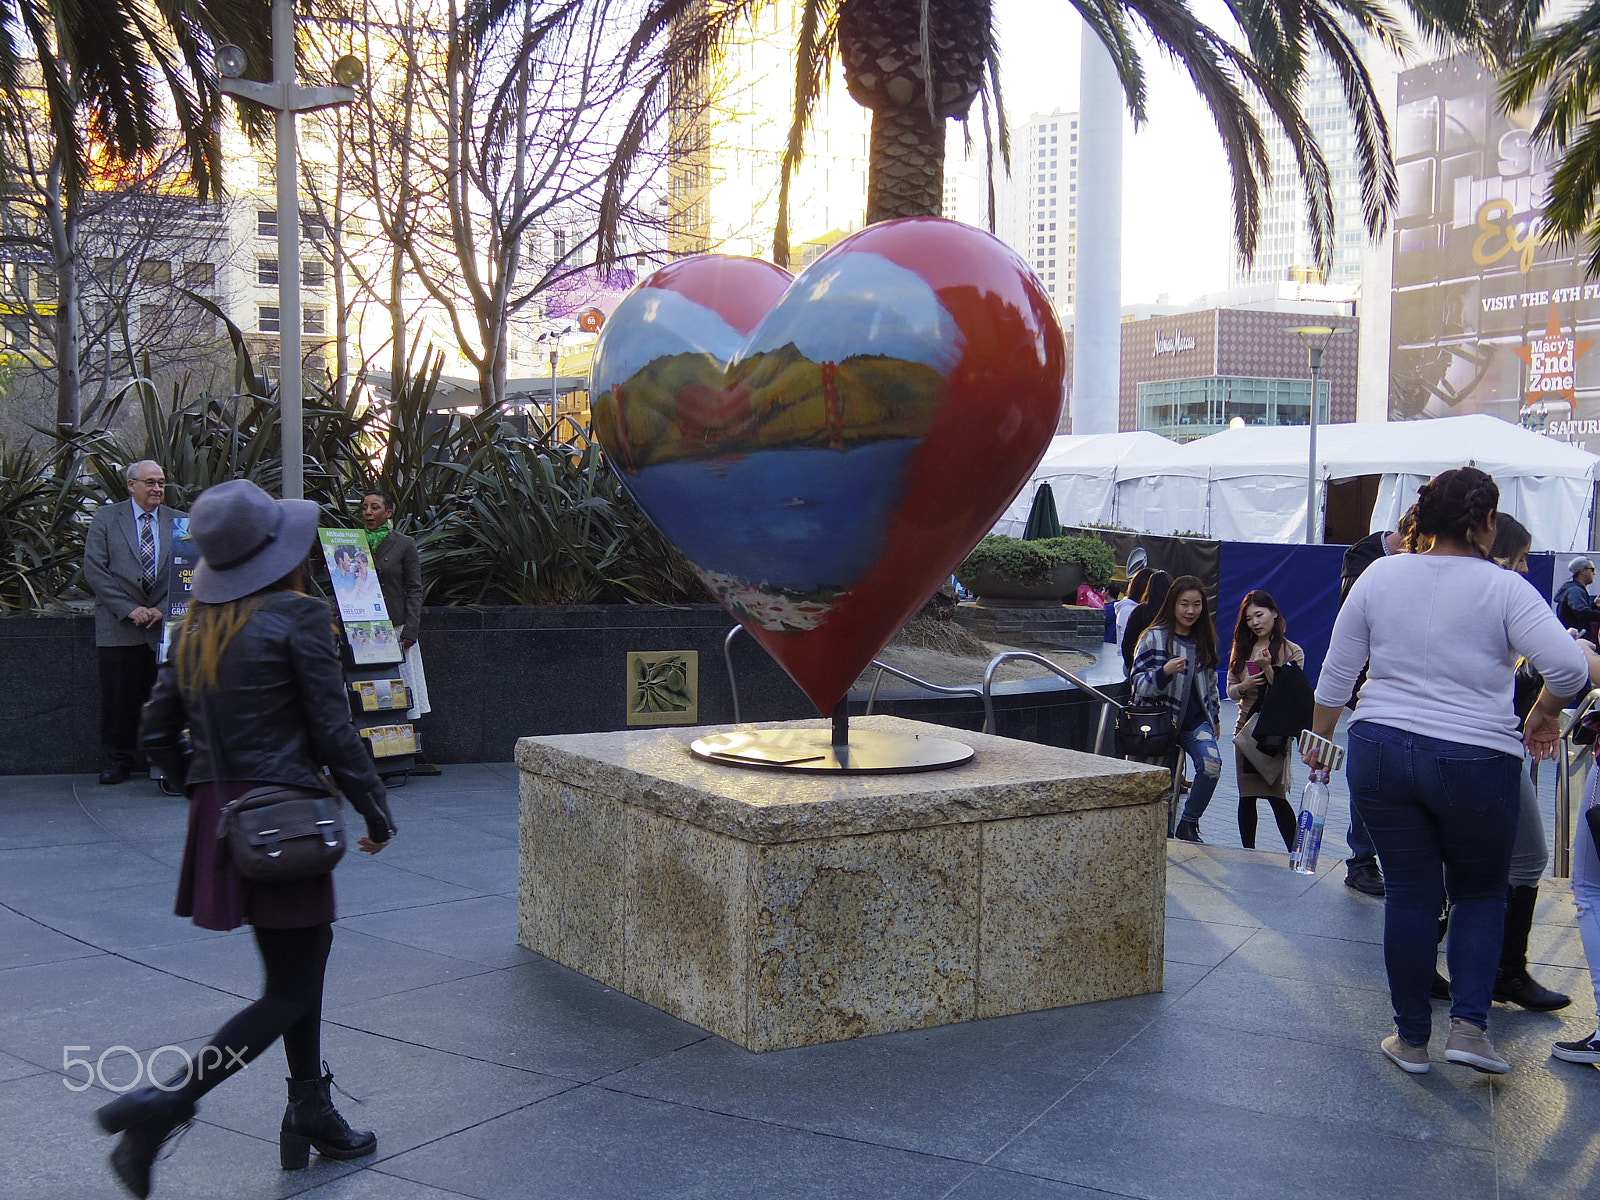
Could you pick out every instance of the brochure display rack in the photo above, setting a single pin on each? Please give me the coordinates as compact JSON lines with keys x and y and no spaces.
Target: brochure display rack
{"x":379,"y":697}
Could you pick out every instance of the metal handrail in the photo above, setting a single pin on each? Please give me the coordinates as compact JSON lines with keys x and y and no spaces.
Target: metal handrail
{"x":975,"y":692}
{"x":1106,"y":702}
{"x":1570,"y":764}
{"x":733,"y":683}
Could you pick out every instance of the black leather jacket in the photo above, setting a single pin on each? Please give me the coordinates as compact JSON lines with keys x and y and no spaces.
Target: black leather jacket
{"x":280,"y":709}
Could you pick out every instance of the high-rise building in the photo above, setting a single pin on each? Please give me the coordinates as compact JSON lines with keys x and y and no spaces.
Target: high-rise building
{"x":727,"y":133}
{"x":1284,"y":251}
{"x":1037,"y":205}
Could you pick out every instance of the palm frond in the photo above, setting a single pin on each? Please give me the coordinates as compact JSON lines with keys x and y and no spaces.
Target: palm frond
{"x":819,"y":33}
{"x":1374,"y":151}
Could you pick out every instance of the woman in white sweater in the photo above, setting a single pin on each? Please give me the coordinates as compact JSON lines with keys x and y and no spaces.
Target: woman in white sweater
{"x":1435,"y":759}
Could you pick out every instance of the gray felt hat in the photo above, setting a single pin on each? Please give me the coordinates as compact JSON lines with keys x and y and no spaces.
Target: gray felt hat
{"x":246,"y":539}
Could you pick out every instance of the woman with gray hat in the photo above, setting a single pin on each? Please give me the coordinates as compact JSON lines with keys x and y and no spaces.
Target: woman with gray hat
{"x":255,"y":663}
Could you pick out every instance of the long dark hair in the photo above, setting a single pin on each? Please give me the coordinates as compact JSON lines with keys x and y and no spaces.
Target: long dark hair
{"x":1155,"y":589}
{"x":1452,"y":504}
{"x":1137,"y":584}
{"x":1511,"y":540}
{"x":1244,"y":640}
{"x":1204,"y":630}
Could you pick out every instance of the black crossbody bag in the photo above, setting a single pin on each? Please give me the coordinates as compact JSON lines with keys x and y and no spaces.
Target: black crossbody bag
{"x":275,"y":833}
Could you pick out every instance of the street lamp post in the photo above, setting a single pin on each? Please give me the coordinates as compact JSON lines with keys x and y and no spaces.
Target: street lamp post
{"x":286,"y":98}
{"x":555,"y":356}
{"x":1316,"y":339}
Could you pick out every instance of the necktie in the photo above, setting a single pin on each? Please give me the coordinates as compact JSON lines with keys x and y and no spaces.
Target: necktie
{"x":147,"y":550}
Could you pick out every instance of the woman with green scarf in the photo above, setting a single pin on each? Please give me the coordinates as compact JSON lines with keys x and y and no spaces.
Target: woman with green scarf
{"x":394,"y":557}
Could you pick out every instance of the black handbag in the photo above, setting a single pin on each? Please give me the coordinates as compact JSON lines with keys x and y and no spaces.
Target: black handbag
{"x":274,"y":833}
{"x":1145,"y":731}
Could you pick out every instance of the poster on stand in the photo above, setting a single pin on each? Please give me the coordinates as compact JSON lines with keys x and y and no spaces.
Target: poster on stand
{"x":372,"y":642}
{"x":180,"y":582}
{"x":354,"y":578}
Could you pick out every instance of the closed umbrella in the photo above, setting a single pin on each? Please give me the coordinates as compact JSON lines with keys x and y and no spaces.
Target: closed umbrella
{"x":1042,"y":519}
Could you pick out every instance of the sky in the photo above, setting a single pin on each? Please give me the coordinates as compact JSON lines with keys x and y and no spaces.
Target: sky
{"x":1176,"y":204}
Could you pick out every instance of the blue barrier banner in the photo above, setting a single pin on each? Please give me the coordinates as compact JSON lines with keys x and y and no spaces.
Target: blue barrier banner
{"x":1542,"y":572}
{"x":1304,"y":580}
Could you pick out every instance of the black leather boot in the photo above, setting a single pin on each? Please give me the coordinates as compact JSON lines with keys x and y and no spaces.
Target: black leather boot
{"x":145,"y":1118}
{"x":1187,"y":831}
{"x":1512,"y":983}
{"x":312,"y":1120}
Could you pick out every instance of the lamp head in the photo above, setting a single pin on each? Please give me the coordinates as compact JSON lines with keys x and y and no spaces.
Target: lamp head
{"x":230,"y":61}
{"x":349,"y":70}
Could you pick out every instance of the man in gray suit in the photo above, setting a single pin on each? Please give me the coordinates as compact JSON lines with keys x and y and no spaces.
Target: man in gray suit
{"x":125,"y":558}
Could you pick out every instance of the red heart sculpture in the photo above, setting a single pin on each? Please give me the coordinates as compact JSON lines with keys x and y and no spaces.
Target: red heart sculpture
{"x":826,"y":450}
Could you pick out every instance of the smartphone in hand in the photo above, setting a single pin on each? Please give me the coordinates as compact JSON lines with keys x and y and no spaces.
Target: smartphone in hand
{"x":1252,"y":667}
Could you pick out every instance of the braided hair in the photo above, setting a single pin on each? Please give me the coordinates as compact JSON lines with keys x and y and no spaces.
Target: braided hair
{"x":1452,"y":504}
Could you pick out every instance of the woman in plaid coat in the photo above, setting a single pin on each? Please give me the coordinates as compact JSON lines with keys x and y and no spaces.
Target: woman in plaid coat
{"x":1176,"y":661}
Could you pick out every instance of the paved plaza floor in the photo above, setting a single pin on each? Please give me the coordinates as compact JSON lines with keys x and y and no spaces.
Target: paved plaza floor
{"x":490,"y":1072}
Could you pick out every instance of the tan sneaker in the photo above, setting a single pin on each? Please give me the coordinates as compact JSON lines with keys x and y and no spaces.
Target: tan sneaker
{"x":1411,"y":1059}
{"x":1471,"y":1047}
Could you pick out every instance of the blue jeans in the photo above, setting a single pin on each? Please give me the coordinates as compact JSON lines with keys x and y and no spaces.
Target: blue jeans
{"x":1433,"y":804}
{"x":1200,"y":744}
{"x":1358,"y":839}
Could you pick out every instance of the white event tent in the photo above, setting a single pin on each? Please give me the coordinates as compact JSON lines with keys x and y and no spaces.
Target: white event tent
{"x":1249,"y":484}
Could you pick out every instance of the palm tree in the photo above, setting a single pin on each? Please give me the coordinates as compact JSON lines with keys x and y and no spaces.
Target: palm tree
{"x":112,"y":82}
{"x":915,"y":63}
{"x":1563,"y":64}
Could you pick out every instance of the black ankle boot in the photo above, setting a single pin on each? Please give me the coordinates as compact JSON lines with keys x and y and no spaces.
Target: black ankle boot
{"x":312,"y":1120}
{"x":1187,"y":831}
{"x":145,"y":1118}
{"x":1512,"y":983}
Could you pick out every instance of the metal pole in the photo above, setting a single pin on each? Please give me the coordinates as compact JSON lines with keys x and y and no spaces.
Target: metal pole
{"x":1311,"y":470}
{"x":1097,"y":337}
{"x":555,"y":355}
{"x":289,"y":409}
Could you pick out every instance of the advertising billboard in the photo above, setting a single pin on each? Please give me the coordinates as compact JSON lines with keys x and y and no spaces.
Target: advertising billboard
{"x":1486,"y":317}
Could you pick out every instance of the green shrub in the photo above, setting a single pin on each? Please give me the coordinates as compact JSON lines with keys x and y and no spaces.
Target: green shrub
{"x":1031,"y":562}
{"x":504,"y":511}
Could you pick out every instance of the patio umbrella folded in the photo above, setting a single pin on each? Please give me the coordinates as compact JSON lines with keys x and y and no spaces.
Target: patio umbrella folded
{"x":1042,"y":519}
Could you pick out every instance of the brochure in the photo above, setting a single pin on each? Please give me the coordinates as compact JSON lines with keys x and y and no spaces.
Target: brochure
{"x":372,"y":642}
{"x":354,"y":578}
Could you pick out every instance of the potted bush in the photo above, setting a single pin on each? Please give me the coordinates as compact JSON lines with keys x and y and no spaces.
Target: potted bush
{"x":1048,"y":571}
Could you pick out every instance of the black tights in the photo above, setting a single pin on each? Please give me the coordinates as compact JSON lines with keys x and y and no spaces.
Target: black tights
{"x":294,"y":961}
{"x":1281,"y":812}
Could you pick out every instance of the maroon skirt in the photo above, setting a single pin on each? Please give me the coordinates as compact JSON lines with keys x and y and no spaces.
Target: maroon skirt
{"x":217,"y":897}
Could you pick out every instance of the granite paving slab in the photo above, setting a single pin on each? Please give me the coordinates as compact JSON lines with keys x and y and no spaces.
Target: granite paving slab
{"x":490,"y":1072}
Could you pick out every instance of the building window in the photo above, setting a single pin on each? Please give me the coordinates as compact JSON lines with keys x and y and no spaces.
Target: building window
{"x":267,"y":272}
{"x":266,"y":173}
{"x":1184,"y":409}
{"x":313,"y":273}
{"x":44,"y":285}
{"x":197,"y":275}
{"x":267,"y":318}
{"x":313,"y":320}
{"x":154,"y":271}
{"x":267,"y":222}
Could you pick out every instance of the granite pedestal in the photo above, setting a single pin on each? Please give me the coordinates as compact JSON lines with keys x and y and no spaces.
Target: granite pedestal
{"x":783,"y":909}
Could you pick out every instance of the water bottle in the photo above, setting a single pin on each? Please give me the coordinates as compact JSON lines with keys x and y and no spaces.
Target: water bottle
{"x":1308,"y":831}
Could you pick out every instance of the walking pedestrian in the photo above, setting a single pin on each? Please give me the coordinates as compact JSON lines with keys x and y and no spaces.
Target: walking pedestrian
{"x":255,"y":679}
{"x":1176,"y":662}
{"x":1260,"y":648}
{"x":1361,"y":870}
{"x":1434,"y":756}
{"x":1530,"y":853}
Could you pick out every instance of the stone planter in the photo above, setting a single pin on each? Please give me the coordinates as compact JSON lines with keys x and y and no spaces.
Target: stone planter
{"x":1063,"y":584}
